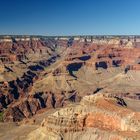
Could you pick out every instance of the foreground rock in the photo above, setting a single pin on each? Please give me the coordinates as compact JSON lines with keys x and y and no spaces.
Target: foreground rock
{"x":96,"y":117}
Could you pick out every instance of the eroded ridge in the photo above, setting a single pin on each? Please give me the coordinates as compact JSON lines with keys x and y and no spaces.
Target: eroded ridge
{"x":96,"y":116}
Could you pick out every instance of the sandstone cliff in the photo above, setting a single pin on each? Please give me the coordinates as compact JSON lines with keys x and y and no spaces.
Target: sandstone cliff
{"x":96,"y":117}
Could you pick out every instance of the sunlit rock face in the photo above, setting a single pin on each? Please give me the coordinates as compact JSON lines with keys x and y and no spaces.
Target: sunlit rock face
{"x":90,"y":83}
{"x":97,"y":116}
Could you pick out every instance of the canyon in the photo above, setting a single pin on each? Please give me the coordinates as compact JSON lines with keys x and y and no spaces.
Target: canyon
{"x":69,"y":88}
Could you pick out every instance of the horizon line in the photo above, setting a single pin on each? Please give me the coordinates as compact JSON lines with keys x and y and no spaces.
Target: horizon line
{"x":37,"y":35}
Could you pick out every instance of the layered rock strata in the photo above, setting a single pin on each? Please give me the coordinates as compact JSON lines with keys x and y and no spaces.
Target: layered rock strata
{"x":96,"y":117}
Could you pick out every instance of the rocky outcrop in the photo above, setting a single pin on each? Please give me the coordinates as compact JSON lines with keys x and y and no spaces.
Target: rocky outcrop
{"x":59,"y":71}
{"x":1,"y":67}
{"x":97,"y":116}
{"x":24,"y":108}
{"x":114,"y":57}
{"x":39,"y":75}
{"x":23,"y":49}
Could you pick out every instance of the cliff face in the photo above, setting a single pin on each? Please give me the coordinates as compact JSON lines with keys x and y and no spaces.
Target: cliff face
{"x":96,"y":117}
{"x":22,"y":49}
{"x":26,"y":107}
{"x":50,"y":72}
{"x":83,"y":88}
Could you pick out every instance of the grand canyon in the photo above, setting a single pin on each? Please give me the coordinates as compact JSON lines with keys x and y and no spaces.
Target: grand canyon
{"x":69,"y":87}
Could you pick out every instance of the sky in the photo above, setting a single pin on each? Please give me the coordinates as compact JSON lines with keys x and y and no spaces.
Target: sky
{"x":70,"y":17}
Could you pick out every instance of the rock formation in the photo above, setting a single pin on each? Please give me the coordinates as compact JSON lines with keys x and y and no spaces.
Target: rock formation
{"x":96,"y":117}
{"x":38,"y":74}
